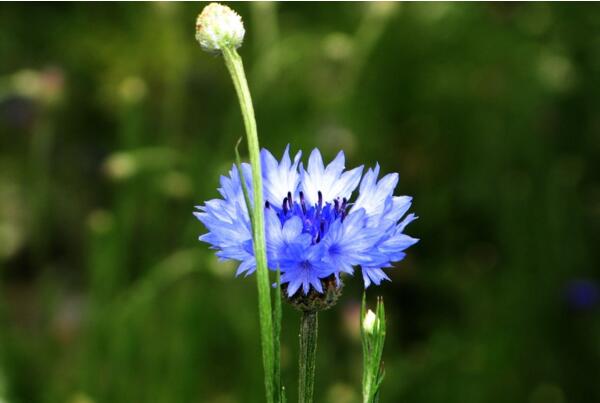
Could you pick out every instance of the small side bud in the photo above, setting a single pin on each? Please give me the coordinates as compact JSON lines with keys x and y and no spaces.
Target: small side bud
{"x":218,"y":27}
{"x":369,"y":322}
{"x":373,"y":338}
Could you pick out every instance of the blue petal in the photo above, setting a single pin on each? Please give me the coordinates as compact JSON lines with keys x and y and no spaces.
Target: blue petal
{"x":303,"y":268}
{"x":373,"y":198}
{"x":247,"y":267}
{"x":374,"y":275}
{"x":331,"y":181}
{"x":279,"y":178}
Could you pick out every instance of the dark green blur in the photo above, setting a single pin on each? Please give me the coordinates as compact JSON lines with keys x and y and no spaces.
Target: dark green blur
{"x":114,"y":124}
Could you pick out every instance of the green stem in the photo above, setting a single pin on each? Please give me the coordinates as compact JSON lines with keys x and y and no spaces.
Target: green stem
{"x":308,"y":354}
{"x":279,"y":392}
{"x":234,"y":64}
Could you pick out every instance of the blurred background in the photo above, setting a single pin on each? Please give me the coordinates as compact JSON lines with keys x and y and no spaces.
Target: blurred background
{"x":114,"y":124}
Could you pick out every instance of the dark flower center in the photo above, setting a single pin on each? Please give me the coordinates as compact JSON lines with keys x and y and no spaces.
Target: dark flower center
{"x":317,"y":218}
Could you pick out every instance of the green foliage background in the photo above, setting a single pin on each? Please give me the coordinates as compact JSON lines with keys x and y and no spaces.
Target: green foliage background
{"x":114,"y":124}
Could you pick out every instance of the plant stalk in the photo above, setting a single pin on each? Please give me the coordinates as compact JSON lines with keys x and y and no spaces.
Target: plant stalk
{"x":308,"y":355}
{"x":234,"y":64}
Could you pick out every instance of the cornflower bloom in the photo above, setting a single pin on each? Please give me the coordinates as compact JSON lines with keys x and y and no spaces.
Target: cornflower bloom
{"x":314,"y":231}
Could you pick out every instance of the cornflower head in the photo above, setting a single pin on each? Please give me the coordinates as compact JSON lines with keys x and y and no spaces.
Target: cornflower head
{"x":315,"y":229}
{"x":218,"y":27}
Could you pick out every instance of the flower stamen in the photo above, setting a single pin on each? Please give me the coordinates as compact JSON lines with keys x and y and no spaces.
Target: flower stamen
{"x":284,"y":206}
{"x":302,"y":203}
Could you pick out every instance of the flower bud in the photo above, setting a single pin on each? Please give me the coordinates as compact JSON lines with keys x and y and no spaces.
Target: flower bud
{"x":314,"y":300}
{"x":218,"y":27}
{"x":370,"y":322}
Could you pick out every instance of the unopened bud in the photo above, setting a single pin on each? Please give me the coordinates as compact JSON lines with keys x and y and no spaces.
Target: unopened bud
{"x":218,"y":27}
{"x":370,"y":322}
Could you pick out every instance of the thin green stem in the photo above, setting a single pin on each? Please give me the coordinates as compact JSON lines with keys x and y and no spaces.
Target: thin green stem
{"x":234,"y":64}
{"x":308,"y":354}
{"x":277,"y":338}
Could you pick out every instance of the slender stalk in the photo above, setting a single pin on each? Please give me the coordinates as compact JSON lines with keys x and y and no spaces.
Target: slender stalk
{"x":234,"y":64}
{"x":279,"y":392}
{"x":308,"y":354}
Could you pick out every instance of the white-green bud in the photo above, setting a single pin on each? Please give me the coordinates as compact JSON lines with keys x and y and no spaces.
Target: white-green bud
{"x":218,"y":27}
{"x":370,"y":321}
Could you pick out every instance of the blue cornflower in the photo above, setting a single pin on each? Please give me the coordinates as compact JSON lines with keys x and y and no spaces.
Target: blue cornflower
{"x":313,"y":229}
